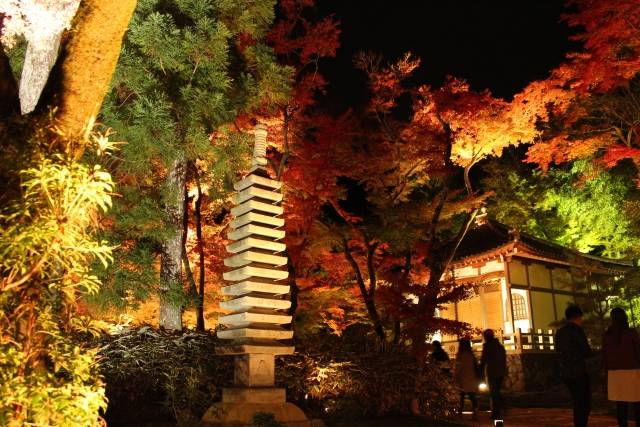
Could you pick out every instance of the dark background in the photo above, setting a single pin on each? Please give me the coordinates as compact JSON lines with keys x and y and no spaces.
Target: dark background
{"x":497,"y":45}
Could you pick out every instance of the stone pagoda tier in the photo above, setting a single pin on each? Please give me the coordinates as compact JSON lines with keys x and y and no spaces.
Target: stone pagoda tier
{"x":258,"y":302}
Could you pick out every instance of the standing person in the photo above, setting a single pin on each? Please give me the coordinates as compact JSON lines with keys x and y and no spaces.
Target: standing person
{"x":621,"y":348}
{"x":494,"y":361}
{"x":465,"y":375}
{"x":573,"y":350}
{"x":440,"y":357}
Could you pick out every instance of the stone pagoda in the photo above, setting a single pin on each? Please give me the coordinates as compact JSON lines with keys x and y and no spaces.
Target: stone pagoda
{"x":257,"y":301}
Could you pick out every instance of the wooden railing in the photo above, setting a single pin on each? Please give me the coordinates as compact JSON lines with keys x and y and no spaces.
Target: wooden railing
{"x":532,"y":341}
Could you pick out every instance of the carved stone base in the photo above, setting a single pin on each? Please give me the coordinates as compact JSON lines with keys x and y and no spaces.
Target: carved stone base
{"x":239,"y":405}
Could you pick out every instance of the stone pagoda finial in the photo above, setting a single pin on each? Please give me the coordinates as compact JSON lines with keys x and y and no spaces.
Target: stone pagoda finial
{"x":256,"y":324}
{"x":260,"y":145}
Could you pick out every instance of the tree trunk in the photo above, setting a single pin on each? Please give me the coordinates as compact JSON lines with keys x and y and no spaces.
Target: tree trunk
{"x":90,"y":59}
{"x":200,"y":243}
{"x":171,"y":292}
{"x":370,"y":303}
{"x":397,"y":327}
{"x":368,"y":295}
{"x":191,"y":282}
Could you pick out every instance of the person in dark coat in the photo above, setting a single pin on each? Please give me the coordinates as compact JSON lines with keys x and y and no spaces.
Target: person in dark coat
{"x":494,"y":362}
{"x":621,"y":351}
{"x":438,"y":354}
{"x":440,"y":357}
{"x":573,"y":350}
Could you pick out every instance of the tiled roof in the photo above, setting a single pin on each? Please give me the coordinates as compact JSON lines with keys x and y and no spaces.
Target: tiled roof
{"x":488,"y":237}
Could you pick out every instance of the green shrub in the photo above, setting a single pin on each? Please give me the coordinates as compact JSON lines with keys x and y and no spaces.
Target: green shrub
{"x":46,"y":250}
{"x":349,"y":385}
{"x":179,"y":372}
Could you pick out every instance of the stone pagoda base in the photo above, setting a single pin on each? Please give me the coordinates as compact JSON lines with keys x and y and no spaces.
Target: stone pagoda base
{"x":254,"y":391}
{"x":239,"y":405}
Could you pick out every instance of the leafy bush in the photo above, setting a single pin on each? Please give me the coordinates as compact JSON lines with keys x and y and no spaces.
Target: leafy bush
{"x":147,"y":368}
{"x":46,"y":250}
{"x":334,"y":380}
{"x":336,"y":377}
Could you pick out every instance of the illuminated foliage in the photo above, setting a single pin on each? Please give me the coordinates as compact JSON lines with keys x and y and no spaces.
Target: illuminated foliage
{"x":592,"y":95}
{"x":582,"y":207}
{"x":47,"y":247}
{"x":329,"y":376}
{"x":385,"y":207}
{"x":53,"y":193}
{"x":340,"y":378}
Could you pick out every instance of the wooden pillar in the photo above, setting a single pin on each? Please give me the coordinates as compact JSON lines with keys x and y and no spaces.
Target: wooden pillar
{"x":553,"y":294}
{"x":508,"y":296}
{"x":483,"y":306}
{"x":530,"y":300}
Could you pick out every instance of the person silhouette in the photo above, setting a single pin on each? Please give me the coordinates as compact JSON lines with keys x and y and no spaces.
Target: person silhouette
{"x":465,"y":375}
{"x":621,"y":353}
{"x":573,"y":349}
{"x":494,"y":362}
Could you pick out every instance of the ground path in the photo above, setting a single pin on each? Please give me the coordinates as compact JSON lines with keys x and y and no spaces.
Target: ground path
{"x":547,"y":417}
{"x":516,"y":417}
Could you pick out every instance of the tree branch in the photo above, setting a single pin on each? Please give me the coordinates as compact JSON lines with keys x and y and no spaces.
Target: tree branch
{"x":356,"y":268}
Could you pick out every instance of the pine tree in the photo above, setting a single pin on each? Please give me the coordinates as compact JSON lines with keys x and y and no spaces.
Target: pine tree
{"x":188,"y":68}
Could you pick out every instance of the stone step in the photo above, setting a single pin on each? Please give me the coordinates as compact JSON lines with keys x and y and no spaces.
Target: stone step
{"x":246,"y":303}
{"x":254,"y":192}
{"x":257,"y":230}
{"x":256,"y":180}
{"x":246,"y":318}
{"x":249,"y":271}
{"x":275,"y":334}
{"x":249,"y":286}
{"x":248,"y":257}
{"x":253,"y":217}
{"x":253,"y":205}
{"x":253,"y":243}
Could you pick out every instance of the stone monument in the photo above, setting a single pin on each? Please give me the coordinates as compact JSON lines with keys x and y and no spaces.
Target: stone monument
{"x":258,"y":298}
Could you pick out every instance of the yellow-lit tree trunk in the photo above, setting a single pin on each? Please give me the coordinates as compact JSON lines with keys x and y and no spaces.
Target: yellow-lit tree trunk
{"x":90,"y":59}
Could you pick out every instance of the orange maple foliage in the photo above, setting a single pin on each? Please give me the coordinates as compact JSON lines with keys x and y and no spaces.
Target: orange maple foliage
{"x":380,"y":213}
{"x":609,"y":59}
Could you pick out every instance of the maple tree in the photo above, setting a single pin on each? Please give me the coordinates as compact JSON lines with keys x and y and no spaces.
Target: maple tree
{"x":587,"y":108}
{"x":390,"y":213}
{"x":300,"y":41}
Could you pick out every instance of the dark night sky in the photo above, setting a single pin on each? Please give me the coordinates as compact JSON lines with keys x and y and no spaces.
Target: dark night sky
{"x":499,"y":45}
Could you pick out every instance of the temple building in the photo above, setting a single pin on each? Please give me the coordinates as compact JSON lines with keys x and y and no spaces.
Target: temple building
{"x":522,"y":284}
